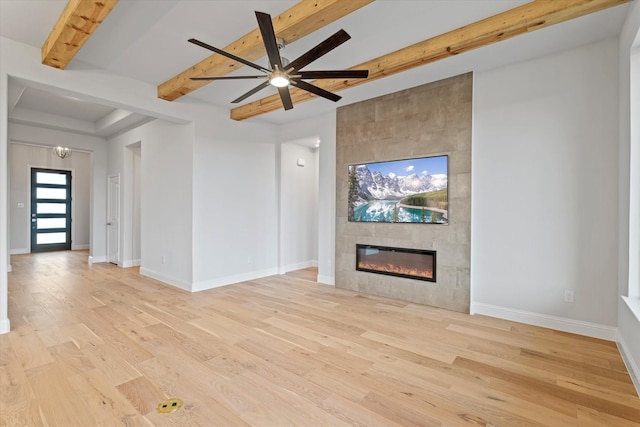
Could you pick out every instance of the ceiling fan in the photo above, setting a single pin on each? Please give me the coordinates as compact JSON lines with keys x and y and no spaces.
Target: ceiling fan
{"x":281,"y":74}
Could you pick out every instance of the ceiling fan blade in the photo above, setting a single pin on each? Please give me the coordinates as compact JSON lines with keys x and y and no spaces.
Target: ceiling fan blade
{"x":251,"y":92}
{"x":229,"y":55}
{"x":334,"y":74}
{"x":229,"y":77}
{"x":269,"y":39}
{"x":316,"y":90}
{"x":321,"y":49}
{"x":285,"y":96}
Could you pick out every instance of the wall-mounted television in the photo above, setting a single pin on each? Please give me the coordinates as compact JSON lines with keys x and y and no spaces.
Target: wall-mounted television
{"x":400,"y":191}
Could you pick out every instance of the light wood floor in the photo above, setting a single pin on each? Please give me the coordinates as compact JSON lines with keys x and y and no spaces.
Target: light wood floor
{"x":103,"y":346}
{"x":310,"y":274}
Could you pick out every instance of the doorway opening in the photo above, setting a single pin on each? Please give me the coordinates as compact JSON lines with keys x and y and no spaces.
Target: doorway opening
{"x":299,"y":194}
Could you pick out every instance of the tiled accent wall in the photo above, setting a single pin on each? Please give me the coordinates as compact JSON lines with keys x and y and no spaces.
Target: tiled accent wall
{"x":429,"y":120}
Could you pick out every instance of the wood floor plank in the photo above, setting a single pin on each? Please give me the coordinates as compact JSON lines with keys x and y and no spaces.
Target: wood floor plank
{"x":103,"y":402}
{"x":61,"y":404}
{"x":628,"y":412}
{"x":18,"y":403}
{"x":142,"y":394}
{"x":69,"y":355}
{"x":354,"y":413}
{"x":283,"y":350}
{"x":102,"y":356}
{"x":29,"y":347}
{"x":192,"y":348}
{"x":281,"y":407}
{"x":582,"y":372}
{"x":172,"y":376}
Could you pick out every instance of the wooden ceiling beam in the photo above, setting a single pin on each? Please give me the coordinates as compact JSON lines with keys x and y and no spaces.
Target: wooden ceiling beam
{"x":301,"y":19}
{"x":528,"y":17}
{"x":78,"y":21}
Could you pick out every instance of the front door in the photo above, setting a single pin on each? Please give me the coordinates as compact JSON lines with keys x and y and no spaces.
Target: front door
{"x":50,"y":210}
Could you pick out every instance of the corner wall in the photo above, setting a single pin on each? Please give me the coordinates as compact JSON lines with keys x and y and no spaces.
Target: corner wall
{"x":429,"y":120}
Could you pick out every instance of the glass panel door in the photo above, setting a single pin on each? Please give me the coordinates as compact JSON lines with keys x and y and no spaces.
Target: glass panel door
{"x":50,"y":210}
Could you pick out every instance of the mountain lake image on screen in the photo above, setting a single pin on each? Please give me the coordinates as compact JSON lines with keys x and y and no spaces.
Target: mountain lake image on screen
{"x":400,"y":191}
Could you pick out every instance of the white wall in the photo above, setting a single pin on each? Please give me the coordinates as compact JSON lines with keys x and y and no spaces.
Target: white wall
{"x":235,"y":210}
{"x":97,"y":182}
{"x":323,"y":127}
{"x":298,"y":207}
{"x":545,"y":189}
{"x":24,"y":157}
{"x":167,"y":203}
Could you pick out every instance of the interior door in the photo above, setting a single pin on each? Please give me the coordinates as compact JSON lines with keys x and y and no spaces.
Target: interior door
{"x":50,"y":210}
{"x":113,"y":219}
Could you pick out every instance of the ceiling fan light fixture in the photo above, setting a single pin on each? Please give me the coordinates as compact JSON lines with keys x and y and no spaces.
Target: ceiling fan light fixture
{"x":279,"y":78}
{"x":281,"y":73}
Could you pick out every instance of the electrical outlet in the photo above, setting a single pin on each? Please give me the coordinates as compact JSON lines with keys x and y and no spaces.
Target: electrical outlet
{"x":568,"y":296}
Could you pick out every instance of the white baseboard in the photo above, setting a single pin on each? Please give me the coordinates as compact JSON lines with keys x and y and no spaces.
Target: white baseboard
{"x":130,"y":263}
{"x":79,"y":247}
{"x":229,"y":280}
{"x":5,"y":326}
{"x":326,"y":280}
{"x":579,"y":327}
{"x":19,"y":251}
{"x":96,"y":259}
{"x":169,"y":280}
{"x":632,"y":367}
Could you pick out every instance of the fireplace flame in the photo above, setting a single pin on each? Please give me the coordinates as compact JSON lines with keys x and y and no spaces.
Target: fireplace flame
{"x":397,"y":269}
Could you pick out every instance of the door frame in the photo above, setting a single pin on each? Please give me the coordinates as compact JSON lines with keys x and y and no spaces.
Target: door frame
{"x":73,"y":199}
{"x":108,"y":224}
{"x":34,"y":246}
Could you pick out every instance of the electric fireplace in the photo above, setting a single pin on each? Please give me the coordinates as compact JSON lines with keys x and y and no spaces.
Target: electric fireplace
{"x":402,"y":262}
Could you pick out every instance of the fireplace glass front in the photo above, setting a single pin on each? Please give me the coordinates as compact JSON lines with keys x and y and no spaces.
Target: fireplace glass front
{"x":402,"y":262}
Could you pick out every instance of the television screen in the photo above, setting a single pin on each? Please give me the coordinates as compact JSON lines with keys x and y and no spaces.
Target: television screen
{"x":401,"y":191}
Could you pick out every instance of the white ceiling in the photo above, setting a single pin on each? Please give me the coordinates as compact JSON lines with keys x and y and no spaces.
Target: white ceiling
{"x":147,"y":40}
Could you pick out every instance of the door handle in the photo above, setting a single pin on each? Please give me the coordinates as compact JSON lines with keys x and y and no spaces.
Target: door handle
{"x":108,"y":223}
